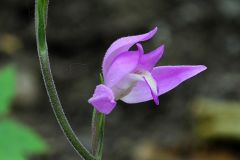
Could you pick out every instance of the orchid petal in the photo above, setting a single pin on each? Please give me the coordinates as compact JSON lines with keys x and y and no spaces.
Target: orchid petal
{"x":140,"y":48}
{"x":147,"y":89}
{"x":150,"y":81}
{"x":103,"y":99}
{"x":149,"y":60}
{"x":126,"y":84}
{"x":139,"y":93}
{"x":124,"y":64}
{"x":167,"y":77}
{"x":122,"y":45}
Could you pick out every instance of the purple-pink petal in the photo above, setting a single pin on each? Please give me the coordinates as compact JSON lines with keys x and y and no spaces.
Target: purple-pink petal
{"x":122,"y":45}
{"x":140,"y":93}
{"x":153,"y":89}
{"x":124,"y":64}
{"x":149,"y":60}
{"x":103,"y":99}
{"x":143,"y":90}
{"x":167,"y":77}
{"x":140,"y":48}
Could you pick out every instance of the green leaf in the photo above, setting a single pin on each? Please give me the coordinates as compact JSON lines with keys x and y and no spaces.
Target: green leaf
{"x":18,"y":141}
{"x":9,"y":155}
{"x":7,"y":88}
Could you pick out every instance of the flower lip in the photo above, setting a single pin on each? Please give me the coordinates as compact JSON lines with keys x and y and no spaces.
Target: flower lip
{"x":167,"y":78}
{"x":154,"y":93}
{"x":152,"y":85}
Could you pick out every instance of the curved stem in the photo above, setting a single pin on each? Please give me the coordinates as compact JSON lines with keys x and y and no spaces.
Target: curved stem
{"x":40,"y":26}
{"x":98,"y":125}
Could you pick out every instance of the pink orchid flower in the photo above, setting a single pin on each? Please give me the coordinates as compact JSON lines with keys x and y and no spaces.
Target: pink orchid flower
{"x":130,"y":76}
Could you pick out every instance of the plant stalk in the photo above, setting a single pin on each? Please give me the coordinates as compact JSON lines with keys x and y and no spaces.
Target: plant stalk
{"x":41,"y":9}
{"x":98,"y":126}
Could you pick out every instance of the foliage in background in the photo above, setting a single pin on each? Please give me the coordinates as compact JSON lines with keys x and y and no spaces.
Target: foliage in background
{"x":16,"y":140}
{"x":7,"y":88}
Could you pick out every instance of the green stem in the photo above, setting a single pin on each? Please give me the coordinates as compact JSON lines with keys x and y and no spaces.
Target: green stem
{"x":98,"y":125}
{"x":40,"y":26}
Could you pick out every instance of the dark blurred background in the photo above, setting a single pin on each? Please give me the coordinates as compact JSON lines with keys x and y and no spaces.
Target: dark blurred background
{"x":197,"y":121}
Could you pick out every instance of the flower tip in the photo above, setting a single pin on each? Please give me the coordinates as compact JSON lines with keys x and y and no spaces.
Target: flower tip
{"x":155,"y":29}
{"x":156,"y":101}
{"x":162,"y":47}
{"x":140,"y":48}
{"x":150,"y":34}
{"x":106,"y":112}
{"x":103,"y":108}
{"x":202,"y":67}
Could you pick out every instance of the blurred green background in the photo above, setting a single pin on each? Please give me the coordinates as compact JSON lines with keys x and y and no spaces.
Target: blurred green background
{"x":197,"y":121}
